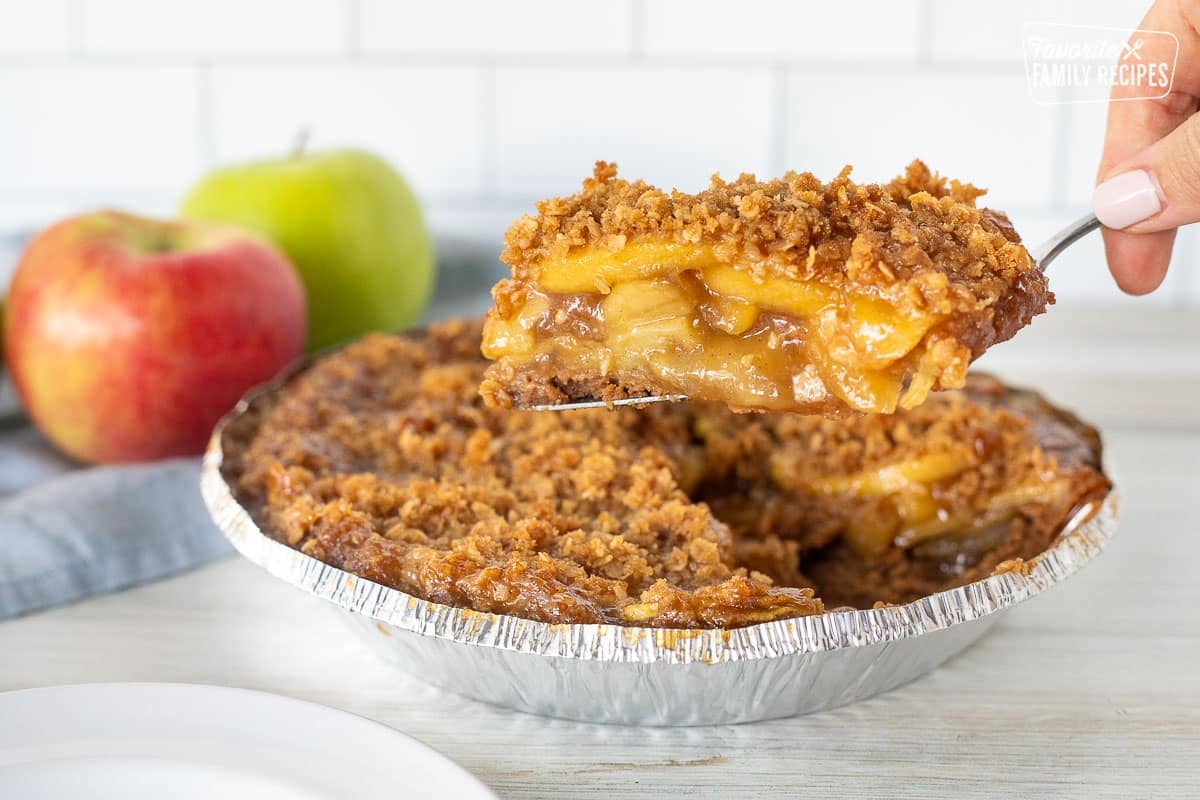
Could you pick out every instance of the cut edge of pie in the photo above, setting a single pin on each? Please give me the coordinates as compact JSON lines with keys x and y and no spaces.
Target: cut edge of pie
{"x":786,"y":295}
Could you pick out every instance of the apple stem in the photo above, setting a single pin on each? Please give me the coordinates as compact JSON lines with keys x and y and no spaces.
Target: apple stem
{"x":300,"y":143}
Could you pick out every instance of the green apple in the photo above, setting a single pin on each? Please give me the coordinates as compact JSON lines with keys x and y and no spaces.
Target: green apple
{"x":349,"y":223}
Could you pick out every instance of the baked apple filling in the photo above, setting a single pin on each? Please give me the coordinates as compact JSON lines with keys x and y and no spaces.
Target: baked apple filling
{"x":906,"y":504}
{"x":790,"y":295}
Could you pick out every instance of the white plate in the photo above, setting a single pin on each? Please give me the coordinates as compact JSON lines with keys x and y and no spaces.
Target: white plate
{"x":143,"y":740}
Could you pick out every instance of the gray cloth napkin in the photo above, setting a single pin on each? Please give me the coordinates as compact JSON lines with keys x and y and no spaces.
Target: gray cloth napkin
{"x":67,"y":532}
{"x":85,"y":531}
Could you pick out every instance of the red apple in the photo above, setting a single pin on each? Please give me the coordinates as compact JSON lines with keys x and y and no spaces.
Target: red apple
{"x":128,"y":338}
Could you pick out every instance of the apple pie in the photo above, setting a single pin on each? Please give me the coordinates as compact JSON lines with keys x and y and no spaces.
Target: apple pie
{"x":383,"y":460}
{"x":788,"y":295}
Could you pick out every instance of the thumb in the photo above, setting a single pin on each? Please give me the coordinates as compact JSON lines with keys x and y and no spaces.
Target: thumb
{"x":1156,"y":190}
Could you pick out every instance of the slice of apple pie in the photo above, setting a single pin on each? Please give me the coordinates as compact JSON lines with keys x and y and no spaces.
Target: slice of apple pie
{"x":788,"y":295}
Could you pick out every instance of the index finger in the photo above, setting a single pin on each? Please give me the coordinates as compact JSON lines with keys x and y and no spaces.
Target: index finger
{"x":1138,"y":262}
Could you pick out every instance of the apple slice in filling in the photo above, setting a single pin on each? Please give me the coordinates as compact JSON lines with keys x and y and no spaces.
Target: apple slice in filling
{"x":673,"y":320}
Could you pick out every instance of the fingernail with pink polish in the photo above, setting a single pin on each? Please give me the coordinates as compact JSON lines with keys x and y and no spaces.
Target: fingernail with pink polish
{"x":1125,"y":199}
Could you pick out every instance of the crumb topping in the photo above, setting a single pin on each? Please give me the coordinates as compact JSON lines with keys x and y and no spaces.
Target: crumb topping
{"x":381,"y":459}
{"x":920,"y":233}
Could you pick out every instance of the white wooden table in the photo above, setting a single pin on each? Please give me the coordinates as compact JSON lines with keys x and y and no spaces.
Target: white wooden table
{"x":1092,"y":690}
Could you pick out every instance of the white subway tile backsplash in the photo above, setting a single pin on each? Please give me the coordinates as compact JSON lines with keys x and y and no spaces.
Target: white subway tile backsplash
{"x":214,"y":26}
{"x":847,"y":31}
{"x":1084,"y":142}
{"x":488,"y":105}
{"x":426,"y":121}
{"x":80,"y":129}
{"x":673,"y":127}
{"x":482,"y":27}
{"x":42,"y":27}
{"x":972,"y":31}
{"x":982,"y":129}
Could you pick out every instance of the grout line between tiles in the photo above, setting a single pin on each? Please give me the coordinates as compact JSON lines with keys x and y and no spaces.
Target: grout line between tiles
{"x":353,"y":42}
{"x":637,"y":30}
{"x":779,"y":98}
{"x":925,"y":32}
{"x":206,"y":133}
{"x":563,"y":60}
{"x":74,"y":28}
{"x":493,"y":199}
{"x":488,"y":160}
{"x":1061,"y":150}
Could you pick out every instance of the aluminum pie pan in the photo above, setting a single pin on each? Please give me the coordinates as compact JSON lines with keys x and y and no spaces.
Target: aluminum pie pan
{"x":654,"y":676}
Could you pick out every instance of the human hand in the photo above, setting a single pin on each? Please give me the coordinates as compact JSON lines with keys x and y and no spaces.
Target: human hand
{"x":1149,"y":176}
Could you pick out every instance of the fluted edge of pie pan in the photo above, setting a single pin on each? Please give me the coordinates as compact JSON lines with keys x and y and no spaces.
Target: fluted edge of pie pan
{"x":655,"y":676}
